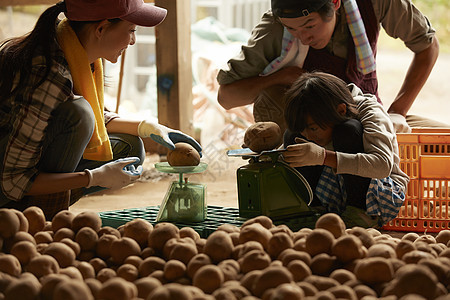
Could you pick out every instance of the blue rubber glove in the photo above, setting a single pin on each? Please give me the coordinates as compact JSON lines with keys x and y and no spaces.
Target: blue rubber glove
{"x":115,"y":174}
{"x":166,"y":136}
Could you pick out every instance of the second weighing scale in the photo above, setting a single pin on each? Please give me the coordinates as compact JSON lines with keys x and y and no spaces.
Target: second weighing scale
{"x":184,"y":201}
{"x":269,"y":186}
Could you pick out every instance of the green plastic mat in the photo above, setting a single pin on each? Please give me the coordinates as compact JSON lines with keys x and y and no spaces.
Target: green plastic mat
{"x":216,"y":216}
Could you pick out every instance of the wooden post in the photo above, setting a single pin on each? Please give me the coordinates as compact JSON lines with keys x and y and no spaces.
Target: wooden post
{"x":174,"y":66}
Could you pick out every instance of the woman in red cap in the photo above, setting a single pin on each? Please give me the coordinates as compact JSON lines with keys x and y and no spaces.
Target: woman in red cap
{"x":55,"y":135}
{"x":338,"y":37}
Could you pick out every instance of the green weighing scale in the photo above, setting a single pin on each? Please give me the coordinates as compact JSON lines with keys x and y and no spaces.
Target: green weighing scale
{"x":269,"y":186}
{"x":184,"y":201}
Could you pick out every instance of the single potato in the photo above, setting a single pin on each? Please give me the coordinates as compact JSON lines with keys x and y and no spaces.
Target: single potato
{"x":263,"y":136}
{"x":183,"y":155}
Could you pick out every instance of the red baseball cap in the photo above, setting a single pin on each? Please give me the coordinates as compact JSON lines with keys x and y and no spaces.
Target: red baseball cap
{"x":134,"y":11}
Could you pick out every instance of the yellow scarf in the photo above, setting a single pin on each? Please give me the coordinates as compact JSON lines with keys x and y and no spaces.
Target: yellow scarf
{"x":90,"y":85}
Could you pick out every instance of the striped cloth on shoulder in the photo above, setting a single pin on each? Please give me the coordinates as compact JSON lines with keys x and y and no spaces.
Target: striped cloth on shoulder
{"x":365,"y":60}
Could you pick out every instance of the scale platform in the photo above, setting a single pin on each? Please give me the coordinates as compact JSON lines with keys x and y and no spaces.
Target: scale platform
{"x":269,"y":186}
{"x":184,"y":201}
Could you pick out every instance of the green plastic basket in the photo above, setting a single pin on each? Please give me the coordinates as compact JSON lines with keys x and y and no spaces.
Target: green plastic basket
{"x":216,"y":216}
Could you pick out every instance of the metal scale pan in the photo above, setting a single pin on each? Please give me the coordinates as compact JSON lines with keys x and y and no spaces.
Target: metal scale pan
{"x":269,"y":186}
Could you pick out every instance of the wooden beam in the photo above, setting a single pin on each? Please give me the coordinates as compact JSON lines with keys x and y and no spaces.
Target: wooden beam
{"x":174,"y":66}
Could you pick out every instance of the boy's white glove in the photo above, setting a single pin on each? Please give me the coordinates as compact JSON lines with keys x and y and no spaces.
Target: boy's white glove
{"x":115,"y":174}
{"x":304,"y":153}
{"x":399,"y":122}
{"x":166,"y":136}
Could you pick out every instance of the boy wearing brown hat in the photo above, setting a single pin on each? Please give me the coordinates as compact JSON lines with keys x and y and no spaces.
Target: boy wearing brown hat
{"x":333,"y":36}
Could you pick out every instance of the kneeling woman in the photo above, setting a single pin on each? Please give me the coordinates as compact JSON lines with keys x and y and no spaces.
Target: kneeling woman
{"x":55,"y":137}
{"x":344,"y":144}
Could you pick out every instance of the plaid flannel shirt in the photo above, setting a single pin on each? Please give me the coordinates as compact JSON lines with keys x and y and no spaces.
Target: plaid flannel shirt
{"x":24,"y":118}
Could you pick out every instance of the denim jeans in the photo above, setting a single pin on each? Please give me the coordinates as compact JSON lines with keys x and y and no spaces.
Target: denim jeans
{"x":67,"y":135}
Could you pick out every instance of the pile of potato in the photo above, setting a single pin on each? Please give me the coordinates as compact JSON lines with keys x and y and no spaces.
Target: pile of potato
{"x":74,"y":257}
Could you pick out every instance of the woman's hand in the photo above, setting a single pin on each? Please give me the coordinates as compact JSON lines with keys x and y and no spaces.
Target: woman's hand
{"x":115,"y":174}
{"x":166,"y":136}
{"x":304,"y":153}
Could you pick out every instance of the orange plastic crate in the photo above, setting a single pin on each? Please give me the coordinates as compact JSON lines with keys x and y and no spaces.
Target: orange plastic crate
{"x":425,"y":157}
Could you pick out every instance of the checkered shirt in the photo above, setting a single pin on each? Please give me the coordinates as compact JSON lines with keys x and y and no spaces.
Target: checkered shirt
{"x":384,"y":197}
{"x":331,"y":192}
{"x":24,"y":118}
